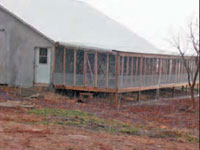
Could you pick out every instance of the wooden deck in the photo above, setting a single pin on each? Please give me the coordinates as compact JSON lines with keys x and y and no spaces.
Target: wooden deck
{"x":123,"y":90}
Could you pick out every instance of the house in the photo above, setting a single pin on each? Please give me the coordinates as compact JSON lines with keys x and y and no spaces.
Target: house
{"x":91,"y":53}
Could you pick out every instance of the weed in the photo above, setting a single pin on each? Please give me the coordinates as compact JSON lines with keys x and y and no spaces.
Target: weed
{"x":191,"y":138}
{"x":45,"y":122}
{"x":130,"y":130}
{"x":171,"y":134}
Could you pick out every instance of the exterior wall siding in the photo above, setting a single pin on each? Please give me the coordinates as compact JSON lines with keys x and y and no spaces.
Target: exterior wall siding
{"x":18,"y":51}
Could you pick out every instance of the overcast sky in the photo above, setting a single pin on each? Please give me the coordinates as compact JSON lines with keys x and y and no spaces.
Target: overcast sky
{"x":155,"y":20}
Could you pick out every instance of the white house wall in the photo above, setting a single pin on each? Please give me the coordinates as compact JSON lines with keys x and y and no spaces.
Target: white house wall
{"x":18,"y":54}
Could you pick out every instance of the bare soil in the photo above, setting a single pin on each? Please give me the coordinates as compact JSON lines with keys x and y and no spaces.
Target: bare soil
{"x":58,"y":122}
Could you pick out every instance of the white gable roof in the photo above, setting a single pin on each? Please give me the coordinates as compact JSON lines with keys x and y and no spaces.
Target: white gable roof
{"x":72,"y":21}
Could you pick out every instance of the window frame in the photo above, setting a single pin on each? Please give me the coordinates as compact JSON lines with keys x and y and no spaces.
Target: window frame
{"x":43,"y":56}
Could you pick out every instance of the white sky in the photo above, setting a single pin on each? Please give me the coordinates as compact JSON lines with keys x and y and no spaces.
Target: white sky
{"x":155,"y":20}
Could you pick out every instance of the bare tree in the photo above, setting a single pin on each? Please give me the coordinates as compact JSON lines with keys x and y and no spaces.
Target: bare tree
{"x":187,"y":45}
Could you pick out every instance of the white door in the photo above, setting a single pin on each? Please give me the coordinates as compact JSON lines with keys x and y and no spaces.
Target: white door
{"x":3,"y":58}
{"x":42,"y":65}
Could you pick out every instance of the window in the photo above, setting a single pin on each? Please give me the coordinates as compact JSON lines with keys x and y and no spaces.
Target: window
{"x":43,"y":56}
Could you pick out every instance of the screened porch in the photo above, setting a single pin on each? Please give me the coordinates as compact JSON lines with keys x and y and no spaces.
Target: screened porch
{"x":91,"y":69}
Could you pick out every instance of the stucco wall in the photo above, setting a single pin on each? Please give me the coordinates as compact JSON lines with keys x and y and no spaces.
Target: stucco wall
{"x":19,"y":44}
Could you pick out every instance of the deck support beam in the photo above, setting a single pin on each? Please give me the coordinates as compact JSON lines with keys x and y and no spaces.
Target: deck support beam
{"x":173,"y":92}
{"x":138,"y":96}
{"x":182,"y":88}
{"x":158,"y":93}
{"x":186,"y":90}
{"x":116,"y":99}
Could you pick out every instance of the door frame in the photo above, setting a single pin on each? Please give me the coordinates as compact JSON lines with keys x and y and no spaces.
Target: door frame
{"x":35,"y":63}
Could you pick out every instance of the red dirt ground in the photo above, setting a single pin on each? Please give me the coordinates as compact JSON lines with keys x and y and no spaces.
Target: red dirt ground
{"x":18,"y":132}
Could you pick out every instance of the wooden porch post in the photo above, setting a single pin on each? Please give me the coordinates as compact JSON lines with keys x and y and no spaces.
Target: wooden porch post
{"x":136,"y":67}
{"x":107,"y":71}
{"x":182,"y":71}
{"x":159,"y":78}
{"x":177,"y":75}
{"x":149,"y":66}
{"x":64,"y":67}
{"x":154,"y":70}
{"x":144,"y":71}
{"x":85,"y":68}
{"x":127,"y":71}
{"x":122,"y":71}
{"x":132,"y":71}
{"x":75,"y":52}
{"x":175,"y":71}
{"x":127,"y":66}
{"x":141,"y":68}
{"x":96,"y":69}
{"x":116,"y":97}
{"x":117,"y":71}
{"x":141,"y":76}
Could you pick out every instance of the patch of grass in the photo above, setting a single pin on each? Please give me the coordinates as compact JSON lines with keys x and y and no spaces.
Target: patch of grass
{"x":83,"y":119}
{"x":59,"y":112}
